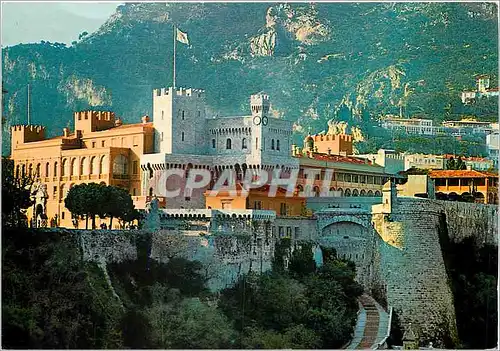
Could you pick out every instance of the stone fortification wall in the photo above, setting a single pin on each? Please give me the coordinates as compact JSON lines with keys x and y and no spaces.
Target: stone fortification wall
{"x":107,"y":246}
{"x":466,"y":220}
{"x":412,"y":270}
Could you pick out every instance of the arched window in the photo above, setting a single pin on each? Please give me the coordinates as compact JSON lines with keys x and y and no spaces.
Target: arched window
{"x":30,"y":170}
{"x":347,"y":192}
{"x":38,"y":166}
{"x":120,"y":165}
{"x":23,"y":170}
{"x":278,"y":145}
{"x":228,"y":144}
{"x":182,"y":136}
{"x":55,"y":169}
{"x":244,"y":143}
{"x":47,"y":167}
{"x":17,"y":171}
{"x":150,"y":191}
{"x":272,"y":144}
{"x":104,"y":165}
{"x":63,"y":192}
{"x":355,"y":192}
{"x":84,"y":166}
{"x":94,"y":165}
{"x":182,"y":114}
{"x":74,"y":167}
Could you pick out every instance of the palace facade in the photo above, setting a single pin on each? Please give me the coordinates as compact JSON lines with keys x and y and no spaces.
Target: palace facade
{"x":184,"y":136}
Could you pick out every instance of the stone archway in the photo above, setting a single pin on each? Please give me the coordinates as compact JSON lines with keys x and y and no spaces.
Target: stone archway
{"x":351,"y":234}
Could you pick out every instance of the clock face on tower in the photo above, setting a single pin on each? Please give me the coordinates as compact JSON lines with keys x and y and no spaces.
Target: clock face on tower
{"x":256,"y":120}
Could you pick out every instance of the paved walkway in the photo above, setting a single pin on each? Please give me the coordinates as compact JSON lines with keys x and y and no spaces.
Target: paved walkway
{"x":371,"y":326}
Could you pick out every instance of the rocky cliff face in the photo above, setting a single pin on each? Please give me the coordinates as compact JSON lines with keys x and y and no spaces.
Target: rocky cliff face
{"x":311,"y":59}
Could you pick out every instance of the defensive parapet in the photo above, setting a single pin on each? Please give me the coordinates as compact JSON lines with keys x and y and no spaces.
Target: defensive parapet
{"x":191,"y":92}
{"x":411,"y":265}
{"x":26,"y":133}
{"x":91,"y":121}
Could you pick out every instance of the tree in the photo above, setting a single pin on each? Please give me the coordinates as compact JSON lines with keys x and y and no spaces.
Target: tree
{"x":190,"y":324}
{"x":456,"y":164}
{"x":87,"y":200}
{"x":15,"y":195}
{"x":119,"y":204}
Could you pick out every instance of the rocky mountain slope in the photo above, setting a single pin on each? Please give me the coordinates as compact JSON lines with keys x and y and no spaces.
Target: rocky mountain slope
{"x":311,"y":58}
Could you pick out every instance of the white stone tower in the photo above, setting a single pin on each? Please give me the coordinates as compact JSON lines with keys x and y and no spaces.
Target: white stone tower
{"x":259,"y":105}
{"x":179,"y":121}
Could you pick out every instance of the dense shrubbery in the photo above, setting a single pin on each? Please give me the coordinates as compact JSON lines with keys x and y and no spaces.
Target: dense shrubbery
{"x":51,"y":299}
{"x":473,"y":273}
{"x":303,"y":307}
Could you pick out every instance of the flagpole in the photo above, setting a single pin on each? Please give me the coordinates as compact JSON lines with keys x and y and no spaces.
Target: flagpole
{"x":173,"y":27}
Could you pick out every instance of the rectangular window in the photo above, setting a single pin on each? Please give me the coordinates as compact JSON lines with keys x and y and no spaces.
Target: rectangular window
{"x":103,"y":143}
{"x":135,"y":166}
{"x":297,"y":233}
{"x":273,"y":231}
{"x":93,"y":144}
{"x":55,"y":191}
{"x":281,"y":231}
{"x":288,"y":232}
{"x":213,"y":143}
{"x":257,"y":205}
{"x":62,"y":214}
{"x":283,"y":209}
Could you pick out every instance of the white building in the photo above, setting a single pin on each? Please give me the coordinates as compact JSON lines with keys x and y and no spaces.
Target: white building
{"x":187,"y":136}
{"x":482,"y":90}
{"x":424,"y":161}
{"x":409,"y":125}
{"x":493,"y":144}
{"x":392,"y":161}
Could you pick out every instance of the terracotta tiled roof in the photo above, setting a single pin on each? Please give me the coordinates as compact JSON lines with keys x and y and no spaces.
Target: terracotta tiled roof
{"x":449,"y":173}
{"x":337,"y":158}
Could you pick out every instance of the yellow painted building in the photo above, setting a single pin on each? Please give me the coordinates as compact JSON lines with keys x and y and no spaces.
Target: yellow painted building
{"x":482,"y":185}
{"x":258,"y":199}
{"x":100,"y":150}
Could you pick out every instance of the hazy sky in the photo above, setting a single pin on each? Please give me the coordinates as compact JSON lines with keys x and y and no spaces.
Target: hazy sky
{"x":30,"y":22}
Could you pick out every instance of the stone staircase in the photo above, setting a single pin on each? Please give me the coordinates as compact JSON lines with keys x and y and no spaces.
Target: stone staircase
{"x":372,"y":325}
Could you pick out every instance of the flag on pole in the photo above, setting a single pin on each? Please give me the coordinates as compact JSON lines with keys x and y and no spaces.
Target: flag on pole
{"x":182,"y":37}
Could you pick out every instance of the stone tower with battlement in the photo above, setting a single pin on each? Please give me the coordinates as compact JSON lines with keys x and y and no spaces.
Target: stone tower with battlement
{"x":179,"y":119}
{"x":94,"y":121}
{"x":25,"y":134}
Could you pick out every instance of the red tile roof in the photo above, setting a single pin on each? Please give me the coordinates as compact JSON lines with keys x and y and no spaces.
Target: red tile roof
{"x":450,"y":173}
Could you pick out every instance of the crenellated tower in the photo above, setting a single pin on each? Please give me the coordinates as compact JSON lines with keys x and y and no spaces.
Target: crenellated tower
{"x":25,"y":134}
{"x":179,"y":120}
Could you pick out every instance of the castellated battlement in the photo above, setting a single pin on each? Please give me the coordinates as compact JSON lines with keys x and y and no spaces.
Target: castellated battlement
{"x":95,"y":115}
{"x":259,"y":98}
{"x":332,"y":137}
{"x":191,"y":92}
{"x":27,"y":133}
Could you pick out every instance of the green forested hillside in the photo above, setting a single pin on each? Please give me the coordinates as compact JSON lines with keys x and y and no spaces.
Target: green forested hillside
{"x":311,"y":58}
